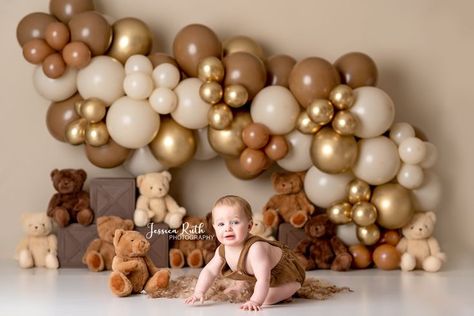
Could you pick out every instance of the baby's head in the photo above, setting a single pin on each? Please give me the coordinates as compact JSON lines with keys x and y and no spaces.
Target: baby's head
{"x":232,"y":219}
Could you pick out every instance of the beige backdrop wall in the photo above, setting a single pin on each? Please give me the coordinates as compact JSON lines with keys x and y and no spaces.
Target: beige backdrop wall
{"x":424,"y":51}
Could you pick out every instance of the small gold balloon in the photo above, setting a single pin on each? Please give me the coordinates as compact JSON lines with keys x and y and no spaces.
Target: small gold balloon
{"x":211,"y":92}
{"x":97,"y":134}
{"x":228,"y":142}
{"x":220,"y":116}
{"x":93,"y":110}
{"x":344,"y":123}
{"x":358,"y":191}
{"x":243,"y":44}
{"x":342,"y":97}
{"x":320,"y":111}
{"x":305,"y":125}
{"x":340,"y":213}
{"x":364,"y":213}
{"x":394,"y":206}
{"x":78,"y":106}
{"x":76,"y":131}
{"x":235,"y":95}
{"x":211,"y":69}
{"x":368,"y":235}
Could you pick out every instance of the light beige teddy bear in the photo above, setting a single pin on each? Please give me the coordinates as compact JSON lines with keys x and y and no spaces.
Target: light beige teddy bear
{"x":260,"y":229}
{"x":39,"y":248}
{"x":418,"y":248}
{"x":154,"y":203}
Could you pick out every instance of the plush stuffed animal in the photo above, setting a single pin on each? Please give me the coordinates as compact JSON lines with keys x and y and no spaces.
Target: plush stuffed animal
{"x":154,"y":203}
{"x":133,"y":270}
{"x":290,"y":203}
{"x":419,"y":249}
{"x":260,"y":229}
{"x":100,"y":252}
{"x":39,"y":248}
{"x":322,"y":249}
{"x":71,"y":203}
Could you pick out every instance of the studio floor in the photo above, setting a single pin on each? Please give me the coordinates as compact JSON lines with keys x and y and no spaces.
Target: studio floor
{"x":80,"y":292}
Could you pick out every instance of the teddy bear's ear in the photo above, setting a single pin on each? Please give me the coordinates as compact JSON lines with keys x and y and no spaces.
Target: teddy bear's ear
{"x":54,"y":173}
{"x":24,"y":217}
{"x":167,"y":175}
{"x":301,"y":175}
{"x":102,"y":219}
{"x":140,"y":179}
{"x":432,"y":216}
{"x":82,"y":174}
{"x":128,"y":224}
{"x":117,"y":235}
{"x":275,"y":177}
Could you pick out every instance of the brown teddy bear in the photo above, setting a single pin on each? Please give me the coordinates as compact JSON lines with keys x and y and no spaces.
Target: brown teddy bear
{"x":100,"y":252}
{"x":290,"y":203}
{"x":322,"y":249}
{"x":71,"y":203}
{"x":133,"y":270}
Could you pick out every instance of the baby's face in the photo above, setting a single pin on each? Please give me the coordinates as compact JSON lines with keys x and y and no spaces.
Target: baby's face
{"x":231,"y":224}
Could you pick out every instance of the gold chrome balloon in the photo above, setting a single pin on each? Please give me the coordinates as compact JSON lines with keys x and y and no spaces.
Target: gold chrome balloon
{"x":243,"y":44}
{"x":93,"y":110}
{"x":305,"y":125}
{"x":368,"y":235}
{"x":211,"y":92}
{"x":340,"y":213}
{"x":344,"y":123}
{"x":228,"y":142}
{"x":342,"y":97}
{"x":77,"y":106}
{"x":320,"y":111}
{"x":97,"y":134}
{"x":364,"y":213}
{"x":235,"y":95}
{"x":211,"y":69}
{"x":220,"y":116}
{"x":394,"y":206}
{"x":333,"y":153}
{"x":76,"y":131}
{"x":358,"y":191}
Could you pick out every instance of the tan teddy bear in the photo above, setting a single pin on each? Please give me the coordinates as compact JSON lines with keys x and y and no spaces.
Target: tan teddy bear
{"x":40,"y":246}
{"x":154,"y":203}
{"x":260,"y":229}
{"x":133,"y":270}
{"x":418,"y":248}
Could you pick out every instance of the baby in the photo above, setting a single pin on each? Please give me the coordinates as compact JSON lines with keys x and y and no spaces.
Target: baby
{"x":245,"y":257}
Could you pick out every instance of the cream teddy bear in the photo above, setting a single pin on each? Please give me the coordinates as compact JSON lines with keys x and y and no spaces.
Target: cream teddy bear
{"x":417,"y":247}
{"x":260,"y":229}
{"x":154,"y":203}
{"x":40,"y":246}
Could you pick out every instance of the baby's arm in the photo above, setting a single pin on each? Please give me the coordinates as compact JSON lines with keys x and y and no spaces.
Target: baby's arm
{"x":259,"y":259}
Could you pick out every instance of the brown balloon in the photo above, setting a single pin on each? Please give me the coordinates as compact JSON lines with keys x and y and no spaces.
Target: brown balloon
{"x":36,"y":50}
{"x":57,"y":35}
{"x":253,"y":160}
{"x":255,"y":135}
{"x":193,"y":43}
{"x":92,"y":29}
{"x":235,"y":168}
{"x":278,"y":70}
{"x":60,"y":114}
{"x":312,"y":78}
{"x":64,"y":10}
{"x":33,"y":26}
{"x":77,"y":55}
{"x":386,"y":257}
{"x":110,"y":155}
{"x":391,"y":237}
{"x":158,"y":58}
{"x":54,"y":66}
{"x":247,"y":70}
{"x":357,"y":70}
{"x":277,"y":148}
{"x":362,"y":256}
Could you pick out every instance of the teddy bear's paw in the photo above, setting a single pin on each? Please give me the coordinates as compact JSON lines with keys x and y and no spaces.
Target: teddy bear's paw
{"x":407,"y":262}
{"x":85,"y":217}
{"x":51,"y":261}
{"x":119,"y":284}
{"x":61,"y":216}
{"x":174,"y":220}
{"x":299,"y":219}
{"x":306,"y":263}
{"x":160,"y":280}
{"x":195,"y":259}
{"x":342,"y":262}
{"x":270,"y":218}
{"x":95,"y":261}
{"x":25,"y":259}
{"x":432,"y":264}
{"x":176,"y":258}
{"x":140,"y":218}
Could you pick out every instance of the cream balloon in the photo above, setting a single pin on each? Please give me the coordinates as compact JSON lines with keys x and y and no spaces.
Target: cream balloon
{"x":428,"y":195}
{"x":374,"y":110}
{"x":166,"y":76}
{"x":142,"y":161}
{"x":138,"y":85}
{"x":204,"y":150}
{"x":412,"y":150}
{"x":163,"y":100}
{"x":298,"y":157}
{"x":276,"y":108}
{"x":348,"y":234}
{"x":324,"y":189}
{"x":401,"y":131}
{"x":102,"y":78}
{"x":191,"y":111}
{"x":410,"y":176}
{"x":378,"y":160}
{"x":431,"y":156}
{"x":55,"y":89}
{"x":138,"y":63}
{"x":132,"y":123}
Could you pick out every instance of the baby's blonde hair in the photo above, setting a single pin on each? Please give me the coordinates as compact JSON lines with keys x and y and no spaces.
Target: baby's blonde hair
{"x":234,"y":200}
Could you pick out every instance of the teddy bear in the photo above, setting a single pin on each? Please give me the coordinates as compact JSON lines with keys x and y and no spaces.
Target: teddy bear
{"x":70,"y":203}
{"x":260,"y":229}
{"x":100,"y":252}
{"x":290,"y":202}
{"x":154,"y":203}
{"x":39,"y":247}
{"x":322,"y":249}
{"x":419,"y":249}
{"x":132,"y":269}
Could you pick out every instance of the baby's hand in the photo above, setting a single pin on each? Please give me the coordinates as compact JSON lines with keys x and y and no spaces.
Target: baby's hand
{"x":251,"y":306}
{"x":193,"y":298}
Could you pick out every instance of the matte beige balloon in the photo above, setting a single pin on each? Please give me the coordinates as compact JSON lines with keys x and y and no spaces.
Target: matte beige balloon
{"x":235,"y":168}
{"x":394,"y":205}
{"x":60,"y":114}
{"x":131,"y":36}
{"x":211,"y":69}
{"x":36,"y":50}
{"x":110,"y":155}
{"x":364,"y":213}
{"x":158,"y":58}
{"x":77,"y":55}
{"x":357,"y":70}
{"x":33,"y":26}
{"x":92,"y":29}
{"x":242,"y":43}
{"x":340,"y":213}
{"x":57,"y":35}
{"x":228,"y":142}
{"x":305,"y":125}
{"x":368,"y":235}
{"x":220,"y":116}
{"x":76,"y":132}
{"x":64,"y":10}
{"x":278,"y":70}
{"x":344,"y":123}
{"x":358,"y":191}
{"x":97,"y":134}
{"x":54,"y":66}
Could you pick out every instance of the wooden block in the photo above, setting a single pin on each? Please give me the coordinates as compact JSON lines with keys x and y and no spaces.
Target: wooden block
{"x":289,"y":235}
{"x":159,"y":243}
{"x":72,"y":243}
{"x":113,"y":196}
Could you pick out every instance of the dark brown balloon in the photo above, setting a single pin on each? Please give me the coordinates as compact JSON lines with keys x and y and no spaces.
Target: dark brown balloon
{"x":253,"y":160}
{"x":312,"y":78}
{"x":33,"y":26}
{"x":60,"y":114}
{"x":255,"y":135}
{"x":391,"y":237}
{"x":386,"y":257}
{"x":362,"y":256}
{"x":36,"y":50}
{"x":110,"y":155}
{"x":247,"y":70}
{"x":57,"y":35}
{"x":278,"y":70}
{"x":158,"y":58}
{"x":92,"y":29}
{"x":277,"y":147}
{"x":64,"y":10}
{"x":235,"y":168}
{"x":54,"y":66}
{"x":77,"y":55}
{"x":357,"y":70}
{"x":193,"y":43}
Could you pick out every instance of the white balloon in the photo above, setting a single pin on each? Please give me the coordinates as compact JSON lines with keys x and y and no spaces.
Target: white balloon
{"x":324,"y":189}
{"x":142,"y":161}
{"x":163,"y":100}
{"x":132,"y":123}
{"x":102,"y":78}
{"x":55,"y":89}
{"x":204,"y":149}
{"x":348,"y":234}
{"x":298,"y":157}
{"x":374,"y":110}
{"x":138,"y":85}
{"x":410,"y":176}
{"x":412,"y":150}
{"x":378,"y":160}
{"x":277,"y":108}
{"x":191,"y":111}
{"x":166,"y":76}
{"x":401,"y":131}
{"x":428,"y":195}
{"x":431,"y":156}
{"x":138,"y":63}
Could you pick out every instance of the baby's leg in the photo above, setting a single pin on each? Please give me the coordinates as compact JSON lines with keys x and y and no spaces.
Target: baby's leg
{"x":282,"y":292}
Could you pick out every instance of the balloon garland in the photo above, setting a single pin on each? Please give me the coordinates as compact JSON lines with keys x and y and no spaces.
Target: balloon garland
{"x":151,"y":111}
